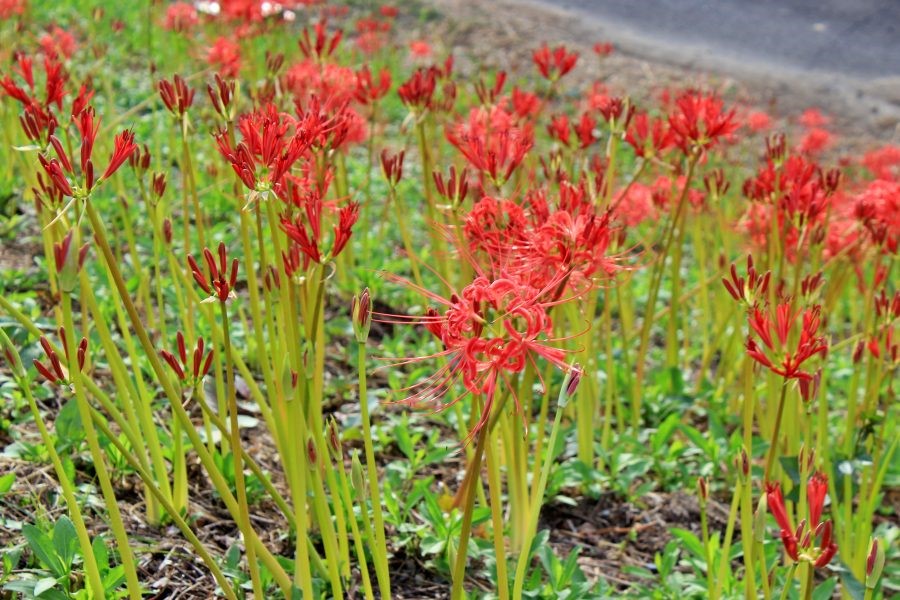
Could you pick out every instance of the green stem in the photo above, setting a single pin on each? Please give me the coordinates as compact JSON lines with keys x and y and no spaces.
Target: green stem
{"x":87,"y":551}
{"x":109,"y":494}
{"x":788,"y":581}
{"x":185,"y":529}
{"x":239,"y":485}
{"x":379,"y":553}
{"x":459,"y":567}
{"x":494,"y":486}
{"x":773,"y":445}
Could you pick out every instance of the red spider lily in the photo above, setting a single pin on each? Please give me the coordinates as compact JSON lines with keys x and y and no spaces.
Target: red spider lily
{"x":8,"y":8}
{"x":559,"y":129}
{"x":491,"y":329}
{"x":698,"y":121}
{"x":222,"y":96}
{"x":573,"y":238}
{"x":649,"y":137}
{"x":616,"y":111}
{"x":758,"y":121}
{"x":603,"y":49}
{"x":417,"y":92}
{"x":55,"y":373}
{"x":392,"y":166}
{"x":420,"y":49}
{"x":198,"y":367}
{"x":181,"y":17}
{"x":38,"y":123}
{"x":525,"y":105}
{"x":306,"y":230}
{"x":367,"y":90}
{"x":55,"y":78}
{"x":783,"y":325}
{"x":491,"y":142}
{"x":813,"y":117}
{"x":454,"y":188}
{"x":715,"y":183}
{"x":585,"y":129}
{"x":748,"y":290}
{"x":267,"y":149}
{"x":124,"y":146}
{"x":225,"y":56}
{"x":553,"y":64}
{"x":57,"y":42}
{"x":176,"y":95}
{"x":489,"y":94}
{"x":877,"y":208}
{"x":816,"y":546}
{"x":883,"y":163}
{"x":221,"y":283}
{"x":322,"y":46}
{"x":62,"y":259}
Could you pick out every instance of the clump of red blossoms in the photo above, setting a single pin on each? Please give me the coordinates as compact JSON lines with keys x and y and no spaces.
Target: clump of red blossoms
{"x":812,"y":540}
{"x":786,"y":351}
{"x":490,"y":330}
{"x":555,"y":63}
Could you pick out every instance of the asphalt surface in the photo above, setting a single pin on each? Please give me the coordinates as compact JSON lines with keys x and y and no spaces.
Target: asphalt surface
{"x":856,"y":38}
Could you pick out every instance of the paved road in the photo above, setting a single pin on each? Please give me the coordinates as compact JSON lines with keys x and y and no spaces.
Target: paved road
{"x":856,"y":38}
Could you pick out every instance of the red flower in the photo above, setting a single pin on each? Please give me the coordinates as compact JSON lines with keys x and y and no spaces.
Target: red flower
{"x":176,"y":95}
{"x":750,"y":289}
{"x":648,"y":137}
{"x":322,"y":46}
{"x":225,"y":56}
{"x":811,"y":542}
{"x":491,"y":142}
{"x":418,"y":91}
{"x":785,"y":319}
{"x":181,"y":17}
{"x":698,"y":121}
{"x":57,"y":42}
{"x":221,"y":283}
{"x":490,"y":330}
{"x":124,"y":147}
{"x":553,"y":64}
{"x":367,"y":90}
{"x":198,"y":367}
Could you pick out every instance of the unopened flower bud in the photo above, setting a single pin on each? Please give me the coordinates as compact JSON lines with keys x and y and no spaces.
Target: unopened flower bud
{"x":702,"y":490}
{"x":569,"y":385}
{"x":334,"y":440}
{"x":759,"y":519}
{"x":743,"y":463}
{"x":874,"y":564}
{"x":311,"y":451}
{"x":11,"y":355}
{"x":167,"y":231}
{"x":68,"y":263}
{"x":361,"y":312}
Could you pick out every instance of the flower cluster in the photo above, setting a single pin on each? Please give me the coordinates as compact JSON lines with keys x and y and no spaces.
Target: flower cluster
{"x":812,"y":540}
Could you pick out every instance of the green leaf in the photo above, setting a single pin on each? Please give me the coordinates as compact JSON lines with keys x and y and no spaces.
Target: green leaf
{"x":825,"y":589}
{"x":690,"y":541}
{"x":68,"y":425}
{"x":42,"y":547}
{"x":6,"y":483}
{"x":791,"y":467}
{"x":665,"y":431}
{"x":65,"y":541}
{"x":851,"y":584}
{"x":43,"y":585}
{"x":101,"y":553}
